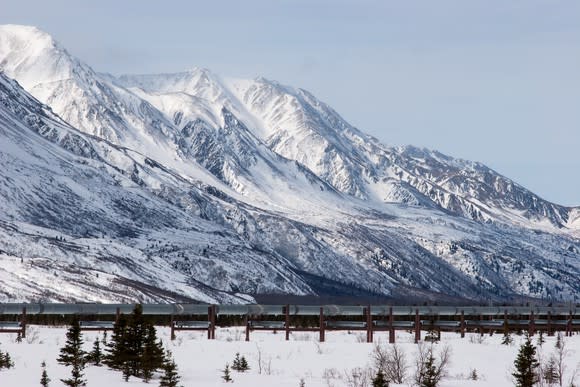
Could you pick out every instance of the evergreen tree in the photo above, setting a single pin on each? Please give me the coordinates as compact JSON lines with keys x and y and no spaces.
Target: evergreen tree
{"x":96,"y":355}
{"x":429,"y":377}
{"x":302,"y":383}
{"x":170,"y":377}
{"x":131,"y":348}
{"x":73,"y":355}
{"x":134,"y":348}
{"x":226,"y":374}
{"x":236,"y":362}
{"x":153,"y":357}
{"x":44,"y":379}
{"x":77,"y":377}
{"x":379,"y":380}
{"x":525,"y":365}
{"x":507,"y":338}
{"x":473,"y":375}
{"x":116,"y":348}
{"x":244,"y":364}
{"x":5,"y":360}
{"x":72,"y":351}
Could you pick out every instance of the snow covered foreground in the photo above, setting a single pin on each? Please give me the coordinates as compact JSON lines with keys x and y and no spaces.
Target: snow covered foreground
{"x":200,"y":361}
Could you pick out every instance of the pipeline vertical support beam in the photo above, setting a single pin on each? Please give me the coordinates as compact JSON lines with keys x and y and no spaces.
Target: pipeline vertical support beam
{"x":23,"y":322}
{"x":321,"y":324}
{"x":209,"y":321}
{"x":287,"y":321}
{"x":365,"y":319}
{"x":247,"y":328}
{"x":532,"y":326}
{"x":369,"y":318}
{"x":417,"y":327}
{"x":481,"y":324}
{"x":172,"y":325}
{"x":505,"y":321}
{"x":117,"y":315}
{"x":462,"y":324}
{"x":569,"y":325}
{"x":391,"y":326}
{"x":549,"y":327}
{"x":213,"y":321}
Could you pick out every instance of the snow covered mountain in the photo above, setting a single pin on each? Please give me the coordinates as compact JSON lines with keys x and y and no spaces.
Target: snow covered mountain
{"x":195,"y":186}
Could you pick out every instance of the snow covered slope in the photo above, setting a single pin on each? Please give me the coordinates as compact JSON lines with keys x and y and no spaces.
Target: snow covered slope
{"x":76,"y":222}
{"x":214,"y":187}
{"x":296,"y":125}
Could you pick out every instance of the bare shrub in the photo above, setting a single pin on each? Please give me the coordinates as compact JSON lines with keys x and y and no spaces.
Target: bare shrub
{"x":476,"y":338}
{"x":237,"y":334}
{"x":392,"y":361}
{"x":431,"y":367}
{"x":361,"y":338}
{"x":330,"y":376}
{"x":560,"y":354}
{"x":301,"y":337}
{"x":318,"y":348}
{"x":264,"y":363}
{"x":32,"y":335}
{"x":358,"y":377}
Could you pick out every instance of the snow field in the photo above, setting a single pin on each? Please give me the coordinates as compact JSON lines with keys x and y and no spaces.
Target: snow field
{"x":283,"y":364}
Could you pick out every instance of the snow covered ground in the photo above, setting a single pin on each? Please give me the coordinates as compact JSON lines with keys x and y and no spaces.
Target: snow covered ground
{"x":283,"y":364}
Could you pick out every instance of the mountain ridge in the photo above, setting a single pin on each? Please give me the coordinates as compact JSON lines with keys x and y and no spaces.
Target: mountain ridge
{"x":292,"y":191}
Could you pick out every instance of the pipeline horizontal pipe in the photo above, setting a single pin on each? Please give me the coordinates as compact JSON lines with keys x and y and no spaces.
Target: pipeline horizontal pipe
{"x":278,"y":310}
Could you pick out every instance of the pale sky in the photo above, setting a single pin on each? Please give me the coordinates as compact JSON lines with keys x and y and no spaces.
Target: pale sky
{"x":491,"y":81}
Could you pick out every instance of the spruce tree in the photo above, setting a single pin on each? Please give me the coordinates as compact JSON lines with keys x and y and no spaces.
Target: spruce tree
{"x":170,"y":376}
{"x":116,"y":347}
{"x":134,"y":340}
{"x":44,"y":379}
{"x":429,"y":378}
{"x":73,"y":355}
{"x":379,"y":380}
{"x":525,"y":365}
{"x":96,"y":355}
{"x":153,"y":356}
{"x":244,"y":364}
{"x":134,"y":348}
{"x":473,"y":375}
{"x":236,"y":362}
{"x":226,"y":374}
{"x":5,"y":360}
{"x":72,"y":351}
{"x":507,"y":339}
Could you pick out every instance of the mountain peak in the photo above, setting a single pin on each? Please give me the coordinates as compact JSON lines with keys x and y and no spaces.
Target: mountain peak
{"x":33,"y":56}
{"x":24,"y":41}
{"x":24,"y":32}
